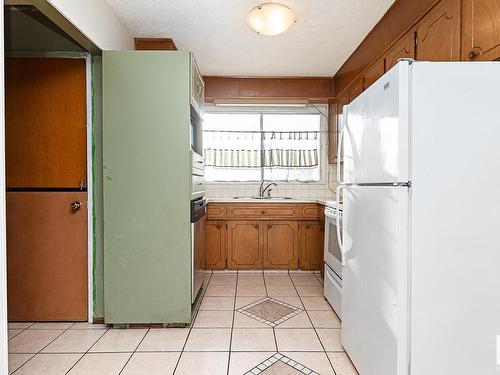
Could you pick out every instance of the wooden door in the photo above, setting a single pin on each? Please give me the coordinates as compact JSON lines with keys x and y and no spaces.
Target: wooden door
{"x":374,"y":72}
{"x":281,"y":244}
{"x":46,"y":256}
{"x":404,"y":48}
{"x":245,"y":244}
{"x":311,"y":248}
{"x":46,"y":124}
{"x":481,"y":30}
{"x":216,"y":249}
{"x":438,"y":33}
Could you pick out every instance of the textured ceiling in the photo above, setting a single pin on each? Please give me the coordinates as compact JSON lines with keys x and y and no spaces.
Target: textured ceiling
{"x":326,"y":33}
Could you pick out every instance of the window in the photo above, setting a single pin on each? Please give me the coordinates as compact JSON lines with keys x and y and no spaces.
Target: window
{"x":273,"y":144}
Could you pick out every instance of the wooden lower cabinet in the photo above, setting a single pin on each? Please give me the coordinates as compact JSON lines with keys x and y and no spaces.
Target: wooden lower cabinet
{"x":216,"y":245}
{"x":281,"y":245}
{"x":311,"y":246}
{"x":245,"y":245}
{"x":266,"y":244}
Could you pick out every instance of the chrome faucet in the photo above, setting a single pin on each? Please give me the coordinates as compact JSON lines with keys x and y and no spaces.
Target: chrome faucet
{"x":263,"y":191}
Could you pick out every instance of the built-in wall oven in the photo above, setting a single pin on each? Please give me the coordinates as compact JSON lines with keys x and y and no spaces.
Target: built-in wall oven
{"x":333,"y":257}
{"x":198,"y":220}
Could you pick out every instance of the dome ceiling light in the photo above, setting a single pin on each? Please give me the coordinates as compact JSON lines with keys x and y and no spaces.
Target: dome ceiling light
{"x":271,"y":18}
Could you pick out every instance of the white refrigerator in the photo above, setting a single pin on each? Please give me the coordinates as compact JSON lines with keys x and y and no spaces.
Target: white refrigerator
{"x":420,"y":182}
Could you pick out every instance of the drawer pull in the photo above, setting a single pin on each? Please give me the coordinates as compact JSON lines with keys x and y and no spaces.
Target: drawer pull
{"x":217,"y":226}
{"x":263,"y":212}
{"x":269,"y":226}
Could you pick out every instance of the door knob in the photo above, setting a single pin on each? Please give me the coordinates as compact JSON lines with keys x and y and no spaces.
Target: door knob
{"x":75,"y":206}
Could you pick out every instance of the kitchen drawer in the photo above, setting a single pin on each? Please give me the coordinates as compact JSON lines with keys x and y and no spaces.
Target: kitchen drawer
{"x":216,"y":211}
{"x":264,"y":211}
{"x":310,"y":211}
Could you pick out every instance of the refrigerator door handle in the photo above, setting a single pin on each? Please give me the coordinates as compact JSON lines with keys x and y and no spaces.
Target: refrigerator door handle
{"x":337,"y":225}
{"x":340,"y":146}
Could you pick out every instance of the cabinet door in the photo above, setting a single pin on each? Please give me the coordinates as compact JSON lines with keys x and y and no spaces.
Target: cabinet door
{"x":404,"y":48}
{"x":438,"y":34}
{"x":197,"y":88}
{"x":332,"y":131}
{"x":281,"y":240}
{"x":374,"y":72}
{"x":215,"y":245}
{"x":245,"y":245}
{"x":311,"y":248}
{"x":356,"y":89}
{"x":481,"y":30}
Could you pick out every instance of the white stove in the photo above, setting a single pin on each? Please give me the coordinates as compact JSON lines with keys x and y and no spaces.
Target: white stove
{"x":333,"y":256}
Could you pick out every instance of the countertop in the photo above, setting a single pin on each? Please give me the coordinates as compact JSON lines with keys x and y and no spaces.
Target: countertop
{"x":324,"y":202}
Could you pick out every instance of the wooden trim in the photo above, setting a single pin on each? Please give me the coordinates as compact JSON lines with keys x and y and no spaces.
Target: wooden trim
{"x":397,"y":21}
{"x":154,"y":44}
{"x":314,"y":89}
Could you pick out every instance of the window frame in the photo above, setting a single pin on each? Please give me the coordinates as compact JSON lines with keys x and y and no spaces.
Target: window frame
{"x":321,"y":109}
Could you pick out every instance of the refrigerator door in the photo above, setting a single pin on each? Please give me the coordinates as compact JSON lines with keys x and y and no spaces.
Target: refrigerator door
{"x":375,"y":133}
{"x":375,"y":279}
{"x":455,"y":223}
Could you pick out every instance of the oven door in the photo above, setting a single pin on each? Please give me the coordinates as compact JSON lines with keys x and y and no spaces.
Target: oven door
{"x":333,"y":256}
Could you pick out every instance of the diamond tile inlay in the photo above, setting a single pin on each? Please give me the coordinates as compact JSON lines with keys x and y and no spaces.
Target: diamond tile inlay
{"x":270,"y":311}
{"x":280,"y":364}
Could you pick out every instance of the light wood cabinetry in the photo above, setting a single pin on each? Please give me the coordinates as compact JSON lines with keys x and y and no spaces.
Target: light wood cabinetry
{"x":438,"y":33}
{"x":281,"y":244}
{"x":264,"y":235}
{"x":403,"y":48}
{"x":311,"y":246}
{"x":216,"y":245}
{"x":245,"y":245}
{"x":481,"y":30}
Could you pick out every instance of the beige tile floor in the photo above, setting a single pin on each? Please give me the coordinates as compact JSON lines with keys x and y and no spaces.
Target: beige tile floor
{"x":221,"y":341}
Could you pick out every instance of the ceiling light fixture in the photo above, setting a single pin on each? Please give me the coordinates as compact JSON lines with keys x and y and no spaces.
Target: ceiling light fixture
{"x":271,"y":18}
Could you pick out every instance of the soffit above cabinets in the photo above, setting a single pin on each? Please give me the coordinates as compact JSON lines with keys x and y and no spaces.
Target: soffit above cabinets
{"x":325,"y":35}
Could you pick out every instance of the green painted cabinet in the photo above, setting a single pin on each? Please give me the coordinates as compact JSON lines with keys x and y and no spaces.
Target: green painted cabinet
{"x":147,"y":183}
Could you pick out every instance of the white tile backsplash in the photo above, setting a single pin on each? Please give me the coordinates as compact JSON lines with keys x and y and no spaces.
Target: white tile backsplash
{"x":325,"y":190}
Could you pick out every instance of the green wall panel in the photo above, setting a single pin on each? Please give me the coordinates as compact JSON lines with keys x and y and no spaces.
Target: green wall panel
{"x":146,"y":177}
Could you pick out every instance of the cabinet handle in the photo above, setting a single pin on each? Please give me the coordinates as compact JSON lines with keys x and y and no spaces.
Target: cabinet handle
{"x":308,"y":226}
{"x":217,"y":226}
{"x":263,"y":212}
{"x":472,"y":55}
{"x":269,"y":226}
{"x":256,"y":226}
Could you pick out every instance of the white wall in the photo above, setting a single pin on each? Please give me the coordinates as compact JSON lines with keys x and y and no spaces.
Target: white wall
{"x":3,"y":261}
{"x":97,"y":21}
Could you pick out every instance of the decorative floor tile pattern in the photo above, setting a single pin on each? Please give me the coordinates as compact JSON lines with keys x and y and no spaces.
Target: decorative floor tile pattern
{"x":270,"y":311}
{"x":279,"y":364}
{"x":257,"y":323}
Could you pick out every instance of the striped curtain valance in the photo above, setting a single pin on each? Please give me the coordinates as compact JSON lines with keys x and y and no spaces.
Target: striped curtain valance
{"x":286,"y":158}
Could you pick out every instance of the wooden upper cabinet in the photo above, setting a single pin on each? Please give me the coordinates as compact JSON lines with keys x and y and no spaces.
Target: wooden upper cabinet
{"x":281,"y":244}
{"x":404,"y":48}
{"x":356,"y":89}
{"x":311,"y":247}
{"x":245,"y":244}
{"x":481,"y":30}
{"x":215,"y":245}
{"x":438,"y":33}
{"x":45,"y":123}
{"x":332,"y":131}
{"x":374,"y":72}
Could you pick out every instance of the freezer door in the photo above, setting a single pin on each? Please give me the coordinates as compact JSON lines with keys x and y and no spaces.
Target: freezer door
{"x":375,"y":133}
{"x":374,"y":279}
